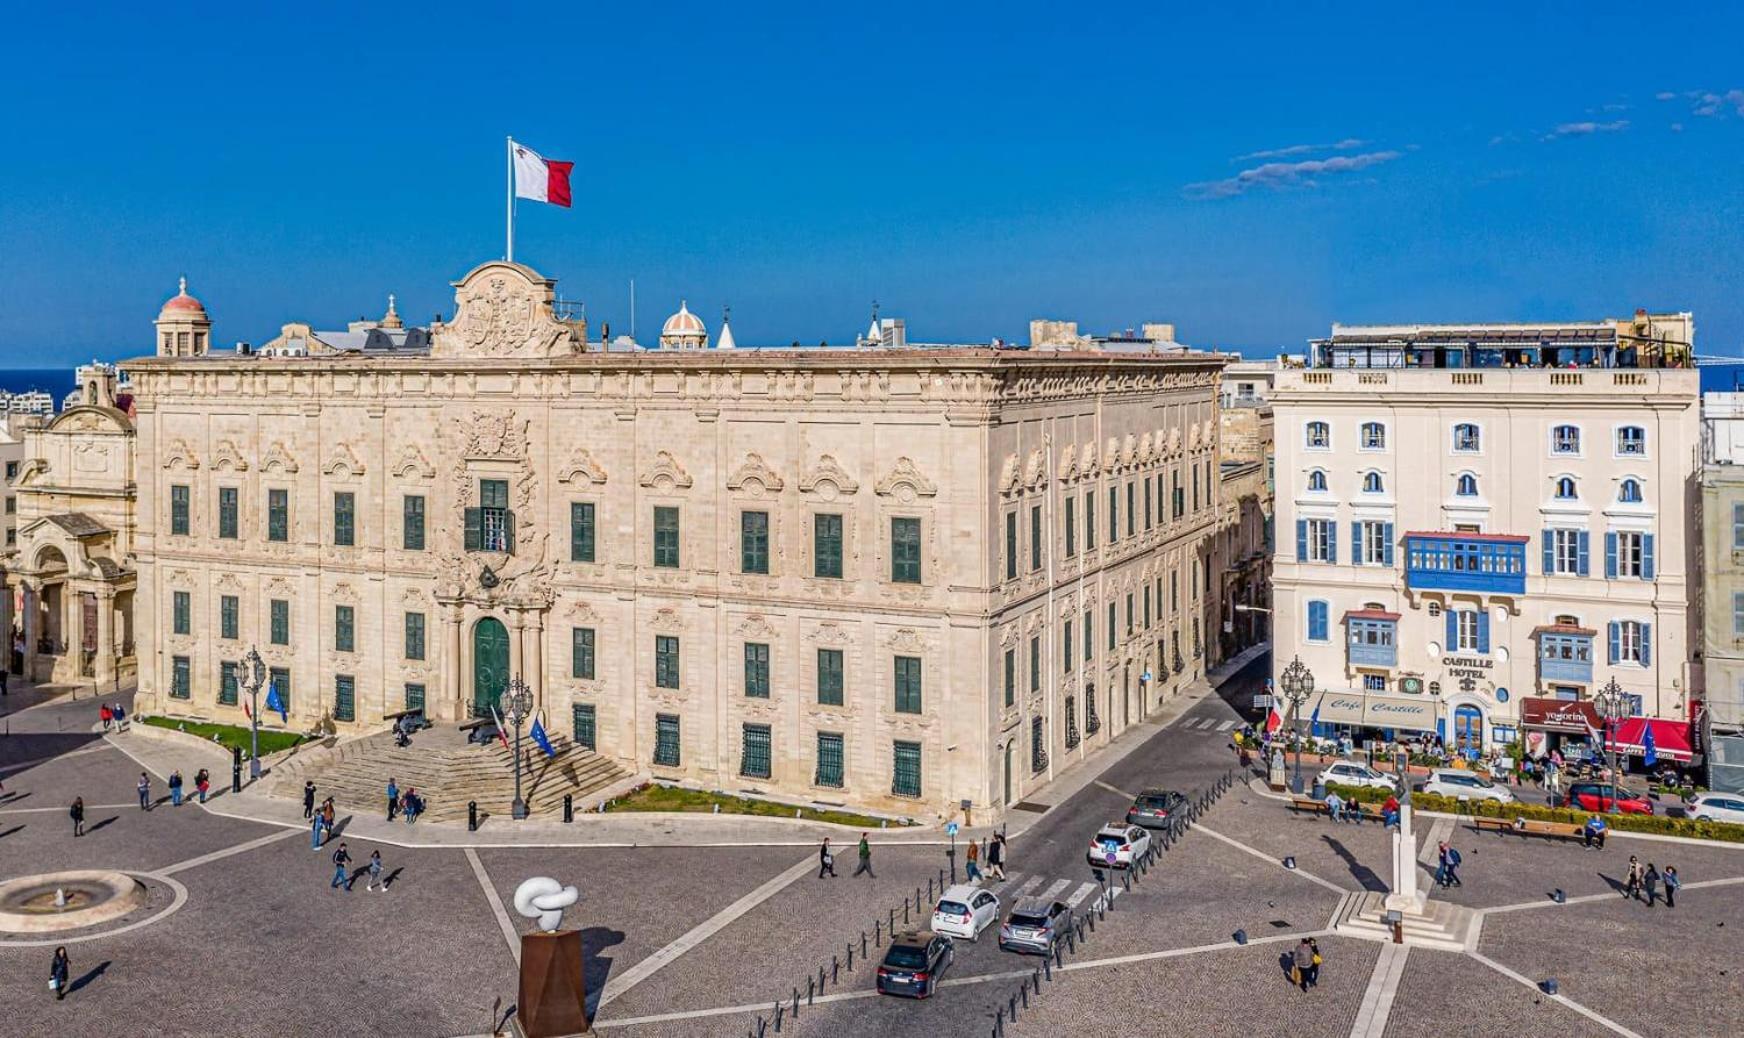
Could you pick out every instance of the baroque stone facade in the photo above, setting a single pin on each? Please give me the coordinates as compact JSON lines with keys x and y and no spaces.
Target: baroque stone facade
{"x":800,"y":572}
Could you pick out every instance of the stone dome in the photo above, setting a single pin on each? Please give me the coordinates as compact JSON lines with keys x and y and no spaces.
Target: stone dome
{"x":683,"y":323}
{"x":184,"y":302}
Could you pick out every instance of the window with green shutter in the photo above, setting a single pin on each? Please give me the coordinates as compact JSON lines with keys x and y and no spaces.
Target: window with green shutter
{"x":344,"y":628}
{"x":1089,"y":519}
{"x":829,"y":676}
{"x":491,"y":526}
{"x":754,"y":759}
{"x":280,"y":610}
{"x":666,"y":747}
{"x":414,"y":696}
{"x":1011,"y":546}
{"x":227,"y":523}
{"x":908,"y":685}
{"x":757,"y":670}
{"x":581,"y":652}
{"x":905,"y":550}
{"x":581,"y":531}
{"x":1010,"y":677}
{"x":1113,"y":629}
{"x":754,"y":542}
{"x":181,"y":612}
{"x":414,"y":636}
{"x":1113,"y":515}
{"x":666,"y":536}
{"x":227,"y":683}
{"x":412,"y":522}
{"x":1068,"y":649}
{"x":1035,"y":665}
{"x":278,"y":515}
{"x":344,"y":518}
{"x":1071,"y":526}
{"x":1131,"y":512}
{"x":1147,"y":497}
{"x":582,"y":730}
{"x":1035,"y":538}
{"x":905,"y":770}
{"x":228,"y":622}
{"x":181,"y":678}
{"x":344,"y":697}
{"x":1089,"y":636}
{"x":827,"y":546}
{"x":829,"y":759}
{"x":179,"y":510}
{"x":279,"y":678}
{"x":666,"y":661}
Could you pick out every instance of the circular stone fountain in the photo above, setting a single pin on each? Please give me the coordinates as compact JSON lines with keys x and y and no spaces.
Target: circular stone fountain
{"x":67,"y":900}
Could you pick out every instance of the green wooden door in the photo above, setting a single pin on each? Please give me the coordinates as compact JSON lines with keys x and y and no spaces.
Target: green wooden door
{"x":490,"y":665}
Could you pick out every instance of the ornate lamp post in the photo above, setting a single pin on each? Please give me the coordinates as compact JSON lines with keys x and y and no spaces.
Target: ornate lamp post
{"x":1613,"y":705}
{"x":1297,"y":684}
{"x":254,"y":676}
{"x":517,"y":705}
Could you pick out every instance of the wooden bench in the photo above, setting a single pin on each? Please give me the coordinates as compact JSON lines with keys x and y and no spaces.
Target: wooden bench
{"x":1530,"y":827}
{"x":1308,"y":804}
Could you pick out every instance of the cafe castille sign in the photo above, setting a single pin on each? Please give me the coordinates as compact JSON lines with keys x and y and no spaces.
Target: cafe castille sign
{"x":1416,"y":713}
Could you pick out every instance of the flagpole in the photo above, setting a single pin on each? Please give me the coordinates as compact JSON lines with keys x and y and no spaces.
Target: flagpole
{"x":509,"y":153}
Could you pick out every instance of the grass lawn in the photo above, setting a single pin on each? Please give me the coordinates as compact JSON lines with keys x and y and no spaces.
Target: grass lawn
{"x":654,"y":797}
{"x":229,"y":735}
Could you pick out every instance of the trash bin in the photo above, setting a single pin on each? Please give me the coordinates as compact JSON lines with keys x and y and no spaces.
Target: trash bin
{"x":1319,"y":790}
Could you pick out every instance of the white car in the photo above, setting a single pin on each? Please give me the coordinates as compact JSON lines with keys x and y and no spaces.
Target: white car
{"x":1116,"y":845}
{"x":964,"y":911}
{"x":1350,"y":773}
{"x":1450,"y":782}
{"x":1717,"y":807}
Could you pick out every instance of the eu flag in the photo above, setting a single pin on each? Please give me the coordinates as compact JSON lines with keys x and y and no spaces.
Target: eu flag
{"x":542,"y":739}
{"x":274,"y":703}
{"x":1649,"y":754}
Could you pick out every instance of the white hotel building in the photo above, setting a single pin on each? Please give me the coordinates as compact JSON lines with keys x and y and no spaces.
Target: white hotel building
{"x":1481,"y":525}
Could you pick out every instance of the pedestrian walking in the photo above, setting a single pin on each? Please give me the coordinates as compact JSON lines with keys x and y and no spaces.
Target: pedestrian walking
{"x":58,"y":971}
{"x":996,"y":856}
{"x":972,"y":861}
{"x":327,"y":814}
{"x":1301,"y":961}
{"x":1632,"y":886}
{"x":1650,"y":883}
{"x":826,"y":860}
{"x":1671,"y":885}
{"x":393,"y":798}
{"x":202,"y":782}
{"x":107,"y":715}
{"x":341,"y":863}
{"x":175,"y":789}
{"x":308,"y":799}
{"x":1453,"y":867}
{"x":315,"y":833}
{"x":120,"y":717}
{"x":1313,"y":962}
{"x":375,"y":873}
{"x":77,"y":811}
{"x":1441,"y":865}
{"x":865,"y":858}
{"x":144,"y":788}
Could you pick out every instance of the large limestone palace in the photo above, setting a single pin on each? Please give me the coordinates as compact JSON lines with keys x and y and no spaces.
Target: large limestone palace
{"x":903,"y":578}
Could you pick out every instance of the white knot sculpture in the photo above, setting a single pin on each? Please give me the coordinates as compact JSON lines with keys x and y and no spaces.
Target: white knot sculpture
{"x":544,"y":899}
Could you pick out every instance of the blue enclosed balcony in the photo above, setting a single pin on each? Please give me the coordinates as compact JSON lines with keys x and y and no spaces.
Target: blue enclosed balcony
{"x":1490,"y":563}
{"x":1373,"y":638}
{"x":1565,"y":655}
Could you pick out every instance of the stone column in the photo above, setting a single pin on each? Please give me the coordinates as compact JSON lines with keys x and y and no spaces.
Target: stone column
{"x":106,"y":655}
{"x":6,"y":623}
{"x":536,"y":657}
{"x":517,"y":652}
{"x":454,"y":703}
{"x":32,"y":620}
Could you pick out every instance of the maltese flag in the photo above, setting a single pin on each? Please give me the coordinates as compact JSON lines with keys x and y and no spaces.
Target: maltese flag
{"x":541,"y":179}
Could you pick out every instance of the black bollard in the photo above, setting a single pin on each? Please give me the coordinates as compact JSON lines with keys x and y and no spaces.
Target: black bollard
{"x":820,"y":980}
{"x":893,"y":917}
{"x":836,"y":967}
{"x":472,"y":816}
{"x":930,"y":888}
{"x":1012,"y":1007}
{"x":568,"y":807}
{"x":1023,"y":992}
{"x":877,"y":941}
{"x":863,"y":942}
{"x":810,"y":992}
{"x":778,"y":1012}
{"x":796,"y":1002}
{"x":851,"y":953}
{"x":235,"y":769}
{"x":904,"y":913}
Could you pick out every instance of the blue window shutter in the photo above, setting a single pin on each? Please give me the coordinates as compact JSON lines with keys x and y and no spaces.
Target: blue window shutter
{"x":1611,"y":555}
{"x":1549,"y":552}
{"x":1316,"y":621}
{"x":1484,"y":632}
{"x":1611,"y":630}
{"x":1301,"y":540}
{"x":1646,"y":644}
{"x":1332,"y":543}
{"x":1387,"y":536}
{"x":1582,"y":567}
{"x":1646,"y":556}
{"x":1452,"y":630}
{"x":1356,"y":544}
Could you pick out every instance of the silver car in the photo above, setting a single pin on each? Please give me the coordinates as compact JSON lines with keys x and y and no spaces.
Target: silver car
{"x":1036,"y":924}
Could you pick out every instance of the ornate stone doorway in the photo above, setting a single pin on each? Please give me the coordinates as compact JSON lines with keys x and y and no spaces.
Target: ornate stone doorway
{"x":490,"y":664}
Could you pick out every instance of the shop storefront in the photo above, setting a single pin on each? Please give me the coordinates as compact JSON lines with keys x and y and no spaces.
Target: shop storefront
{"x":1362,"y":716}
{"x":1566,"y":725}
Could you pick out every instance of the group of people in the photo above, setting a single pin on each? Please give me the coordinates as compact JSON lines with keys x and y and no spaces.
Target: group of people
{"x":1644,"y":881}
{"x":320,"y":818}
{"x":342,"y":876}
{"x":406,"y":804}
{"x":827,"y":859}
{"x":1305,"y":964}
{"x":202,"y":785}
{"x":995,"y":856}
{"x":112,"y":714}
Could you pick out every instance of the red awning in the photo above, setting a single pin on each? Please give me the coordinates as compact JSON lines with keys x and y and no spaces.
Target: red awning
{"x":1671,"y":739}
{"x":1574,"y":716}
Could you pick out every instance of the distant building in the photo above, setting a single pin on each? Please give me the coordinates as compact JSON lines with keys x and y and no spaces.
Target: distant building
{"x":1722,"y":556}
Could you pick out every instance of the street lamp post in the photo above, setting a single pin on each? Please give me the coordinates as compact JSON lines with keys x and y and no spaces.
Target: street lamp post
{"x":1613,"y":706}
{"x":1297,"y":684}
{"x":517,"y":705}
{"x":254,"y":676}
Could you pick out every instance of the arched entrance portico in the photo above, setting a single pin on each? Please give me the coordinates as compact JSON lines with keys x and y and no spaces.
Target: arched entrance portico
{"x":490,"y":664}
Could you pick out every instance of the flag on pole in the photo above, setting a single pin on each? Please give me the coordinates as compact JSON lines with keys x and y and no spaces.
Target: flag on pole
{"x":1274,"y":720}
{"x":1649,"y":753}
{"x":542,"y":739}
{"x":539,"y":178}
{"x":502,"y":736}
{"x":276,"y":704}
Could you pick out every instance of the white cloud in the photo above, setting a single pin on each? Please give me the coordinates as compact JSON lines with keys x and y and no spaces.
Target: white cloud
{"x":1347,"y":144}
{"x":1712,"y":104}
{"x":1278,"y":175}
{"x":1586,"y":129}
{"x":1665,"y":95}
{"x":1677,"y":127}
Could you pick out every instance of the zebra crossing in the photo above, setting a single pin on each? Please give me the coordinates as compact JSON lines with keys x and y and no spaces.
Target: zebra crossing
{"x":1019,"y":885}
{"x":1207,"y":724}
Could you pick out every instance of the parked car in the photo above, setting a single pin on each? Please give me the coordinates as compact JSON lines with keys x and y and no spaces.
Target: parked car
{"x":965,"y":910}
{"x":1154,"y":807}
{"x":1350,"y":773}
{"x":1598,"y":796}
{"x":1717,"y":807}
{"x":1036,"y":924}
{"x":913,"y":963}
{"x":1451,"y":782}
{"x":1115,"y":845}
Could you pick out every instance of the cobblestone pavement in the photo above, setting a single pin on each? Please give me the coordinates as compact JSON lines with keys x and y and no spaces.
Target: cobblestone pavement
{"x":1446,"y":995}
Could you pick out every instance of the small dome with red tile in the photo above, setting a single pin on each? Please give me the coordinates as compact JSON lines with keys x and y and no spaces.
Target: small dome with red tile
{"x":184,"y":302}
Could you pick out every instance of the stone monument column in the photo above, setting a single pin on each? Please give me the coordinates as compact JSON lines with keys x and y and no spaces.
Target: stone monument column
{"x":454,"y":702}
{"x":1405,"y":897}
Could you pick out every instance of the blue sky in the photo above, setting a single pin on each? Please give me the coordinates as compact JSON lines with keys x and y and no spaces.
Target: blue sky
{"x":969,"y":167}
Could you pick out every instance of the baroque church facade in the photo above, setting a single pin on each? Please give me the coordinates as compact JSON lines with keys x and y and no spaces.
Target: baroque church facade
{"x":903,"y":579}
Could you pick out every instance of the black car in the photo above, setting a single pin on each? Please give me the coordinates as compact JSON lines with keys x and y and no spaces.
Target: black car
{"x":1154,"y":807}
{"x":913,"y":963}
{"x":1036,"y":924}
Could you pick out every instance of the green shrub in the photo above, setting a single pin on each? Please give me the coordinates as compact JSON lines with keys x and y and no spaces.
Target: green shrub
{"x":229,"y":736}
{"x":1659,"y":825}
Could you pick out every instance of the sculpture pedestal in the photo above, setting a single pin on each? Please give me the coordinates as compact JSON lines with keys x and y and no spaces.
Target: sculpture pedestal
{"x":552,"y":1002}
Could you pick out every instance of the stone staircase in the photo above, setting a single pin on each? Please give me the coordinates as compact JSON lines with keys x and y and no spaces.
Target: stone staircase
{"x":448,"y":772}
{"x":1441,"y":925}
